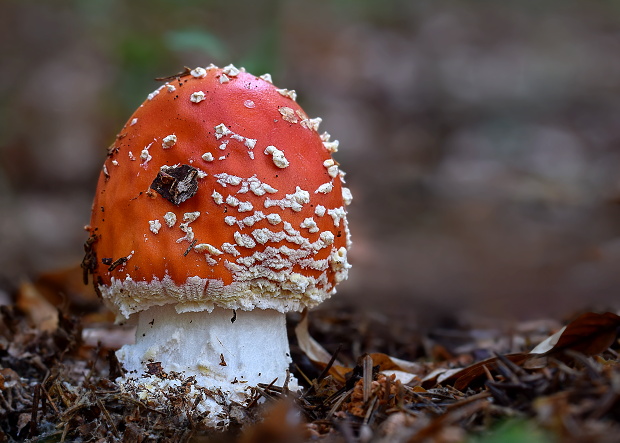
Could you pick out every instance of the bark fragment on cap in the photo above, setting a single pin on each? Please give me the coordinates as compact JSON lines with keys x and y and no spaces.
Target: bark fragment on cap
{"x":176,"y":184}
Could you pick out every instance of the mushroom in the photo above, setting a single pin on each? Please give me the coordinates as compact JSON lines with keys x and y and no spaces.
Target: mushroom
{"x":218,"y":210}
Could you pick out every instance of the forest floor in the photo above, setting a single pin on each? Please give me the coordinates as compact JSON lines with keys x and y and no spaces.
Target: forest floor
{"x":367,"y":377}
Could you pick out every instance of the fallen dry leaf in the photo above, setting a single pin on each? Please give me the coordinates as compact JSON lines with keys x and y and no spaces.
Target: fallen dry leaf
{"x":65,"y":289}
{"x":39,"y":311}
{"x":588,"y":334}
{"x":549,"y":343}
{"x":313,"y":350}
{"x":316,"y":353}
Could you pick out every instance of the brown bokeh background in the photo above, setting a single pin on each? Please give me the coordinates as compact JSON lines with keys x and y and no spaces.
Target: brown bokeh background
{"x":481,"y":139}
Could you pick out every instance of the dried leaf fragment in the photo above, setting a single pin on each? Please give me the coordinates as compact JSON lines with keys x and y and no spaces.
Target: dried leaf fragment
{"x":176,"y":184}
{"x":590,"y":334}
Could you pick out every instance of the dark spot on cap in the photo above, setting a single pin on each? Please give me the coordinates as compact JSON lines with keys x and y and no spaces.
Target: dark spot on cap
{"x":176,"y":184}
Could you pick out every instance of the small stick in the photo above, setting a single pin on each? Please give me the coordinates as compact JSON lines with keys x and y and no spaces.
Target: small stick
{"x":64,"y":432}
{"x":488,"y":373}
{"x":324,"y":372}
{"x":35,"y":410}
{"x":330,"y":363}
{"x":50,"y":401}
{"x":367,"y":375}
{"x":371,"y":410}
{"x":336,"y":405}
{"x":263,"y":393}
{"x":189,"y":248}
{"x":183,"y":73}
{"x":107,"y":415}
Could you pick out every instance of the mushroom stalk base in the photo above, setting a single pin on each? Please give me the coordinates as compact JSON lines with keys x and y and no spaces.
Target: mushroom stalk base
{"x":226,"y":352}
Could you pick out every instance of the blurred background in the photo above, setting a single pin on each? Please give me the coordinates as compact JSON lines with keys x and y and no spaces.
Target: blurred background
{"x":481,"y":138}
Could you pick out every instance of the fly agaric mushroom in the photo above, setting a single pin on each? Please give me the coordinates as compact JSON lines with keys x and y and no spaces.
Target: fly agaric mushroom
{"x":218,"y":210}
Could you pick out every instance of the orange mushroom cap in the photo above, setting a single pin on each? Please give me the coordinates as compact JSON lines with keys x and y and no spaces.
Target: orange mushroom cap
{"x":219,"y":191}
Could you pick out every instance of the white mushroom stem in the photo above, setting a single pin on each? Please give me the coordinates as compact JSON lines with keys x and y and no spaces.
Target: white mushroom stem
{"x":219,"y":352}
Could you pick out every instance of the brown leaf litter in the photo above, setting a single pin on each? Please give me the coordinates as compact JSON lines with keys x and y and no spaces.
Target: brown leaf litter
{"x":366,"y":377}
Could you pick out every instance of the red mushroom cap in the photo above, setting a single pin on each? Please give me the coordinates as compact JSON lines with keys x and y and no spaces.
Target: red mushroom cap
{"x":219,"y":191}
